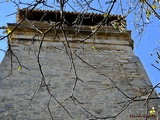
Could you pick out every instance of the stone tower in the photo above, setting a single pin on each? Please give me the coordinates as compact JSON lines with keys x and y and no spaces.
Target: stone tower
{"x":61,"y":73}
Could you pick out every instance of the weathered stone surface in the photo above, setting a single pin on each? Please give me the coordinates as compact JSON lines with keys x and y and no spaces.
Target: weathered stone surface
{"x":2,"y":110}
{"x":8,"y":106}
{"x":111,"y":64}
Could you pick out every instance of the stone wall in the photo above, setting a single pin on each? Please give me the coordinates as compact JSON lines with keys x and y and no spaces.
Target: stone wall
{"x":112,"y":75}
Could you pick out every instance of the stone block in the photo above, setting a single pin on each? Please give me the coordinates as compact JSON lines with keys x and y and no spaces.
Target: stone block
{"x":129,"y":66}
{"x":1,"y":84}
{"x":8,"y":106}
{"x":2,"y":110}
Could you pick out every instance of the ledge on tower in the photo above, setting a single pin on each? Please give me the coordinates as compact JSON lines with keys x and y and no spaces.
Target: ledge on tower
{"x":77,"y":26}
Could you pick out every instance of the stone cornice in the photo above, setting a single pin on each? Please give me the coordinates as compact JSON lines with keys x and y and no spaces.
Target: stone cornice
{"x":105,"y":34}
